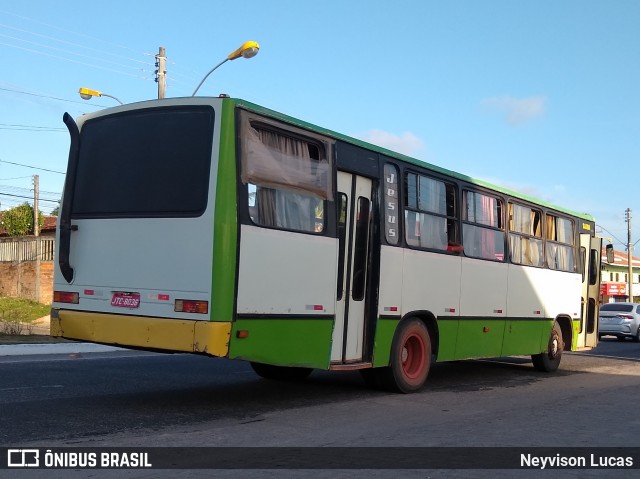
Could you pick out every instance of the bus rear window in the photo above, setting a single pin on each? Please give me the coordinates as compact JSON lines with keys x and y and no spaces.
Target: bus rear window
{"x":145,"y":163}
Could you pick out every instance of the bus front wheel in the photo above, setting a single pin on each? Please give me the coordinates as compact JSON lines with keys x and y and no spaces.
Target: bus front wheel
{"x":280,"y":373}
{"x":410,"y":358}
{"x":550,"y":360}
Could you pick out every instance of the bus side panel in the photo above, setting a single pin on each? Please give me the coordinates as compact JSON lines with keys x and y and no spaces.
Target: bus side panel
{"x":284,"y":342}
{"x":483,"y":308}
{"x":525,"y":292}
{"x":483,"y":290}
{"x":391,"y":282}
{"x":533,"y":305}
{"x":286,"y":274}
{"x":385,"y":329}
{"x":525,"y":336}
{"x":225,"y":235}
{"x":479,"y":337}
{"x":432,"y":283}
{"x":389,"y":303}
{"x":569,"y":302}
{"x":525,"y":307}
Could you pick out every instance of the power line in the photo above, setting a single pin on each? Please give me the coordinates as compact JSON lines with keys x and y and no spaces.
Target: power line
{"x":612,"y":235}
{"x":31,"y":128}
{"x":27,"y":197}
{"x":76,"y":33}
{"x":23,"y":190}
{"x":50,"y":97}
{"x":68,"y":52}
{"x":32,"y":167}
{"x":16,"y":178}
{"x":74,"y":61}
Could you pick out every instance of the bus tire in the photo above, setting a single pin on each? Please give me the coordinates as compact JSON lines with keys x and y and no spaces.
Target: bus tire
{"x":280,"y":373}
{"x":410,"y":358}
{"x":550,"y":360}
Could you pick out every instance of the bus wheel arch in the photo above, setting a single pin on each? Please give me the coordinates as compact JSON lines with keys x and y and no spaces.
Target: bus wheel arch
{"x":411,"y":355}
{"x":549,"y":360}
{"x":566,"y":326}
{"x":431,"y":323}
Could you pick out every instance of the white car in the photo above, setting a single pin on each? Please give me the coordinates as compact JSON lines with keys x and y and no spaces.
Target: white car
{"x":621,"y":320}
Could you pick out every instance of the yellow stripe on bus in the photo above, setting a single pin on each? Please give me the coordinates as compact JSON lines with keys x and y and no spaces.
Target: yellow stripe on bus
{"x":149,"y":333}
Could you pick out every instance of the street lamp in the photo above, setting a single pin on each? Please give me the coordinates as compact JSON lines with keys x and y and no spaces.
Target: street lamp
{"x":87,"y":94}
{"x":247,"y":50}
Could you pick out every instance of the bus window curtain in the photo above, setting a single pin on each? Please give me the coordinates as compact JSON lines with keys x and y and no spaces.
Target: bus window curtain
{"x":432,"y":198}
{"x":560,"y":256}
{"x":282,"y":206}
{"x":525,"y":249}
{"x":489,"y":210}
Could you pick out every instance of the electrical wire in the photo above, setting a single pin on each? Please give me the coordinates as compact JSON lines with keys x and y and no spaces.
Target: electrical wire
{"x":64,"y":30}
{"x":32,"y":167}
{"x":50,"y":97}
{"x":75,"y":61}
{"x":27,"y":197}
{"x":6,"y":126}
{"x":36,"y":44}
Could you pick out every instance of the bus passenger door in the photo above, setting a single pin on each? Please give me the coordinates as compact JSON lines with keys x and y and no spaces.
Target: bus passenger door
{"x":354,"y":245}
{"x":590,"y":250}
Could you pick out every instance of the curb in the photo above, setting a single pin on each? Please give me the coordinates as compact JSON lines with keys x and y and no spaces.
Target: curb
{"x":54,"y":348}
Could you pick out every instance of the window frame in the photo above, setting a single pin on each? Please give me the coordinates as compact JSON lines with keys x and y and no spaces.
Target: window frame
{"x":528,"y":236}
{"x":451,"y":217}
{"x":549,"y":241}
{"x":325,"y":146}
{"x":501,"y":228}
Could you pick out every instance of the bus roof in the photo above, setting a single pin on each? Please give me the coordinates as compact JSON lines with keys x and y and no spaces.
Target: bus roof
{"x":392,"y":154}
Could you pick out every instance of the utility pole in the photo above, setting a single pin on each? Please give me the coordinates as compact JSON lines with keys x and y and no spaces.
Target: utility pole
{"x":161,"y":72}
{"x":36,"y":233}
{"x":629,"y":253}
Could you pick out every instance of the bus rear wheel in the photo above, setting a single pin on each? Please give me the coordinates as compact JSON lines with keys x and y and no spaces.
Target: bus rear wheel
{"x":280,"y":373}
{"x":549,"y":361}
{"x":410,"y":358}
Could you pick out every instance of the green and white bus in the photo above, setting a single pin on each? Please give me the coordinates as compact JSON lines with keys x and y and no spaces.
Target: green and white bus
{"x":216,"y":226}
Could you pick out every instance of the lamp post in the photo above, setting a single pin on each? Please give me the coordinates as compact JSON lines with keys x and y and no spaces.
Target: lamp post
{"x":87,"y":94}
{"x":247,"y":50}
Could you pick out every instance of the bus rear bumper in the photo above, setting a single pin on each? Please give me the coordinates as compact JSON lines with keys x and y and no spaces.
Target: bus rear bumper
{"x":176,"y":335}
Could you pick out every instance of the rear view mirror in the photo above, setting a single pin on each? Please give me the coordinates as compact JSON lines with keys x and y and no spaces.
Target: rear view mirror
{"x":610,"y":255}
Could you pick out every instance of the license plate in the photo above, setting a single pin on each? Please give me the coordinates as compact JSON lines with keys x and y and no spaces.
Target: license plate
{"x":125,"y":300}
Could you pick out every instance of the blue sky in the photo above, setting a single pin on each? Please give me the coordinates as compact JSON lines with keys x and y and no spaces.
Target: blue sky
{"x":539,"y":96}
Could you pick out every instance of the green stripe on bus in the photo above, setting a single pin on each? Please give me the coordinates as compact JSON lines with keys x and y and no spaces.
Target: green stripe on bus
{"x":283,"y":342}
{"x":225,"y":235}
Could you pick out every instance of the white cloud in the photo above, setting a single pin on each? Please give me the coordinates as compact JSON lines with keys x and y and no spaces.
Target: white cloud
{"x":406,"y":143}
{"x":517,"y":110}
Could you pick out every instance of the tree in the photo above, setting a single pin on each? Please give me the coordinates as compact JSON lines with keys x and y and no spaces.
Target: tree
{"x":18,"y":221}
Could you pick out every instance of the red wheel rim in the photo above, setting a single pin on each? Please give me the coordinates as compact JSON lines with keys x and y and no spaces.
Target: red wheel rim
{"x":413,"y":356}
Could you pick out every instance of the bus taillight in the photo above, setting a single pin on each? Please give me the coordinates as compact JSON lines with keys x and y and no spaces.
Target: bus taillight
{"x":66,"y":297}
{"x":191,"y":306}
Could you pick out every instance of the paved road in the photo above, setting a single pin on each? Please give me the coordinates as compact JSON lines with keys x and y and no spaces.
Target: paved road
{"x":126,"y":398}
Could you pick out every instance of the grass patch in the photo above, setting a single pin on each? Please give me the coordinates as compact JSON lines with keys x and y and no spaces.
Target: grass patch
{"x":17,"y":315}
{"x":21,"y":310}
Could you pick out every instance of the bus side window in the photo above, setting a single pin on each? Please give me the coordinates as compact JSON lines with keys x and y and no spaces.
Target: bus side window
{"x":593,"y":267}
{"x":342,"y":240}
{"x":430,"y":216}
{"x":482,"y":229}
{"x":525,"y":235}
{"x":288,"y":178}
